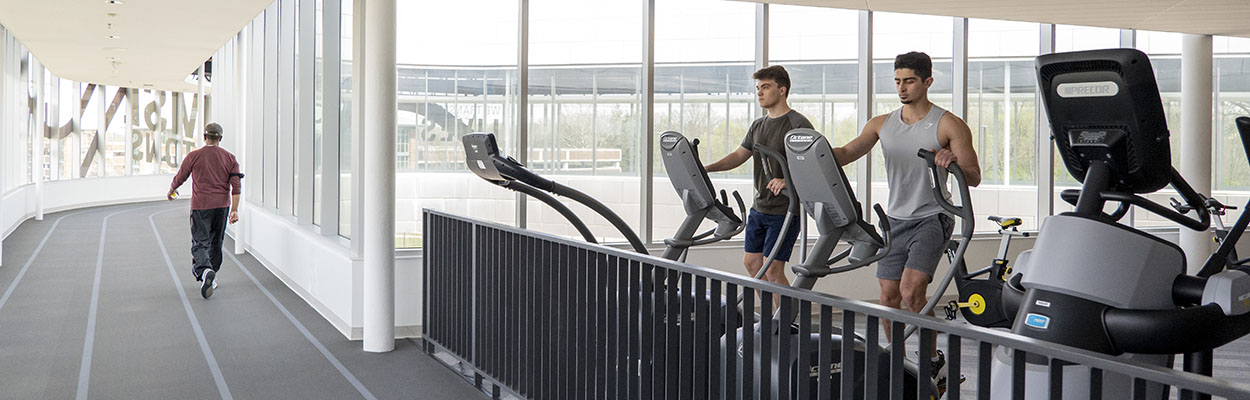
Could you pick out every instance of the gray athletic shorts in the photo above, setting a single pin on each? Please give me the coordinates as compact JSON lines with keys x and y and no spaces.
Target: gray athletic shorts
{"x":917,"y":244}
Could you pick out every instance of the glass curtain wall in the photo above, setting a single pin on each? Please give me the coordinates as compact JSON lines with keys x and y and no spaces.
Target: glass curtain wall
{"x":89,"y":130}
{"x":584,"y":97}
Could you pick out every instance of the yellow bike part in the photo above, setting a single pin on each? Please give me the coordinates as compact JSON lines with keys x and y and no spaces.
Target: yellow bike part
{"x":975,"y":303}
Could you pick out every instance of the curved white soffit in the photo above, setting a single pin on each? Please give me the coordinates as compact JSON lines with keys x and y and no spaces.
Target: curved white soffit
{"x":157,"y":42}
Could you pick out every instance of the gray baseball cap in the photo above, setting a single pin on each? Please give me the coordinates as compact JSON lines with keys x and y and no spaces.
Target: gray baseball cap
{"x":212,"y":129}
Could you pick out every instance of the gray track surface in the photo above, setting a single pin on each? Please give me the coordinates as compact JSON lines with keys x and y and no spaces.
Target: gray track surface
{"x":144,"y":345}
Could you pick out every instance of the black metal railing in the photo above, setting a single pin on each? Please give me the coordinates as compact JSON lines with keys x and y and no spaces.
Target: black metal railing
{"x":536,"y":316}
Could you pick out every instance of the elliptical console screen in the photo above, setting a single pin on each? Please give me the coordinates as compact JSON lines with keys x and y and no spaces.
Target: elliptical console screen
{"x":479,"y":151}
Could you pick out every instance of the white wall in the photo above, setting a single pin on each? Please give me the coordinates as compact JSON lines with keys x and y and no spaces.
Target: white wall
{"x":322,"y":271}
{"x":19,"y":204}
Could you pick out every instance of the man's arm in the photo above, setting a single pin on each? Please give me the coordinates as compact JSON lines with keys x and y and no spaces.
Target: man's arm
{"x":862,"y":144}
{"x":184,"y":172}
{"x":234,"y":208}
{"x":730,"y":161}
{"x":958,"y":148}
{"x":236,"y":186}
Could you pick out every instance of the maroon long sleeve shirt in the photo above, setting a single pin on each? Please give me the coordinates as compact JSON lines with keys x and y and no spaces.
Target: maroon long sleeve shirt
{"x":215,"y":174}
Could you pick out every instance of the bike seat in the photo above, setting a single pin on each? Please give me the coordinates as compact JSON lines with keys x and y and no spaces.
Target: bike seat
{"x":1006,"y":222}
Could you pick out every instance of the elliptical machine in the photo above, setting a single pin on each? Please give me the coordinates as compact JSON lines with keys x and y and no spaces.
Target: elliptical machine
{"x":817,"y":179}
{"x":483,"y":158}
{"x":1092,"y":282}
{"x":694,"y":187}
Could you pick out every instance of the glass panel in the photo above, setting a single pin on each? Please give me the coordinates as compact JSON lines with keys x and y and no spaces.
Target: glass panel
{"x":819,"y":48}
{"x":115,"y":131}
{"x":1164,"y":49}
{"x":142,"y":134}
{"x":345,"y":120}
{"x":318,"y":103}
{"x":169,"y":137}
{"x":447,"y":90}
{"x":1074,"y":38}
{"x":584,"y":108}
{"x":703,"y":89}
{"x":90,"y":128}
{"x":895,"y":34}
{"x":62,"y":133}
{"x":1232,"y":100}
{"x":297,"y":93}
{"x":1002,"y":104}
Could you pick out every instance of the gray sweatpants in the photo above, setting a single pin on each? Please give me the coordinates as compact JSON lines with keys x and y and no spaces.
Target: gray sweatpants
{"x":208,"y":227}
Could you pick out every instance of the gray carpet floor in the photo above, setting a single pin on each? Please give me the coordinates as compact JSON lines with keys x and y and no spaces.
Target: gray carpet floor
{"x":126,"y":321}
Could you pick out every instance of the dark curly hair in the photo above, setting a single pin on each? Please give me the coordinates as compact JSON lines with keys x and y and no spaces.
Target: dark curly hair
{"x":774,"y":73}
{"x":915,"y":61}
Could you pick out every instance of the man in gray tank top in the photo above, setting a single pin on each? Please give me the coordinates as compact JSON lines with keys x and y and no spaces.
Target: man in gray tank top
{"x":919,"y":228}
{"x":768,"y":211}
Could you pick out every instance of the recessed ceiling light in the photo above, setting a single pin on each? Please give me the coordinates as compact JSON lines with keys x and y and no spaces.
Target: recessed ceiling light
{"x":110,"y":14}
{"x":114,"y":37}
{"x":115,"y":2}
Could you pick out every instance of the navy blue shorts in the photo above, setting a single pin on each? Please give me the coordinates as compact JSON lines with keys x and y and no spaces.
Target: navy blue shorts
{"x":762,"y":230}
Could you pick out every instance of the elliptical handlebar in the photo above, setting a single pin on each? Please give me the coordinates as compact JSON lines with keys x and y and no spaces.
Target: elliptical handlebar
{"x":785,"y":174}
{"x":1071,"y":196}
{"x":484,"y":159}
{"x":702,"y":238}
{"x":963,"y":211}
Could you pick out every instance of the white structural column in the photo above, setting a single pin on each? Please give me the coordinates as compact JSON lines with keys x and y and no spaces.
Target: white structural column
{"x":379,"y":173}
{"x":761,"y":36}
{"x":1196,"y":112}
{"x":1044,"y":173}
{"x":646,"y":188}
{"x":521,"y":151}
{"x":959,"y":86}
{"x":863,"y":113}
{"x":41,"y":126}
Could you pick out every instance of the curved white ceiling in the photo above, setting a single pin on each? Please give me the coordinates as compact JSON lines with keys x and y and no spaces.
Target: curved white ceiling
{"x":159,"y":42}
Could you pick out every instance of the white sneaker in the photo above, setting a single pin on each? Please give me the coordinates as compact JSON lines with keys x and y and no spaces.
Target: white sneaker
{"x":208,"y":282}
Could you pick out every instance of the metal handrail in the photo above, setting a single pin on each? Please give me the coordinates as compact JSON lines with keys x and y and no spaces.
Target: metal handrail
{"x":1071,"y":355}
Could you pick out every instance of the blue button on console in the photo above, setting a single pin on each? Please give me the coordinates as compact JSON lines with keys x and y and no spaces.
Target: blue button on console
{"x":1037,"y":321}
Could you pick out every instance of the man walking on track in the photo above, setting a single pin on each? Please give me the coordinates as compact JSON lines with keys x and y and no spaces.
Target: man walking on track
{"x":214,"y":202}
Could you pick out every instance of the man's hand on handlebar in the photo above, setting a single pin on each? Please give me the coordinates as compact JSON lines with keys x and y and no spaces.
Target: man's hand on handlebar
{"x":944,"y":158}
{"x":776,"y":186}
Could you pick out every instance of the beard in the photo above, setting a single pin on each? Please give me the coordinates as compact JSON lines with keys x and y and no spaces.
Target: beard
{"x":906,"y":101}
